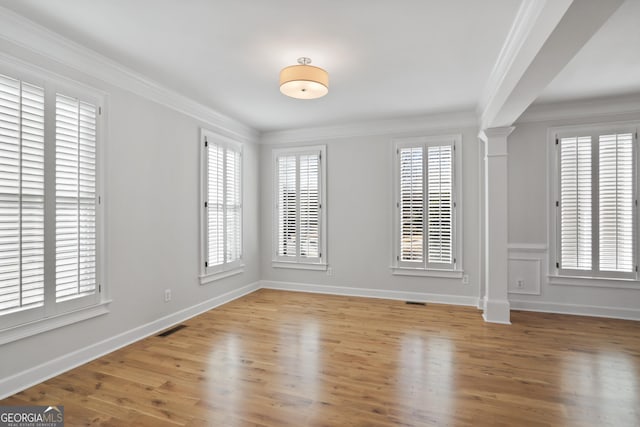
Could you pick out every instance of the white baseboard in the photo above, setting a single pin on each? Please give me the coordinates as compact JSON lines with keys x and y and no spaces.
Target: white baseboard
{"x":580,"y":310}
{"x":40,"y":373}
{"x":371,"y":293}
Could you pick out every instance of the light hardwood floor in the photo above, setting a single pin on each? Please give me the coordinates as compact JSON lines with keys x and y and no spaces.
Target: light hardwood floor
{"x":277,"y":358}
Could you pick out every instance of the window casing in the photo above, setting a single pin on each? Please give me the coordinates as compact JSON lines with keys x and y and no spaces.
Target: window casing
{"x":221,"y":203}
{"x":50,"y":204}
{"x":299,"y":215}
{"x":595,"y":202}
{"x":427,"y":232}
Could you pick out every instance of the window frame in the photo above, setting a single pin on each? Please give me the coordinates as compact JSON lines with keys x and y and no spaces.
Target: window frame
{"x":52,"y":314}
{"x":298,"y":262}
{"x":556,"y":274}
{"x":210,"y":274}
{"x":399,"y":267}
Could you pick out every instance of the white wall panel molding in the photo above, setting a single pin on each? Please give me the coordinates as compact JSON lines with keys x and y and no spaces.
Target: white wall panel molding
{"x":526,"y":268}
{"x":28,"y":35}
{"x":527,"y":247}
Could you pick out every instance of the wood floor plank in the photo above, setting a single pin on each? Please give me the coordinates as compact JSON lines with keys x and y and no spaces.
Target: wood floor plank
{"x":275,"y":358}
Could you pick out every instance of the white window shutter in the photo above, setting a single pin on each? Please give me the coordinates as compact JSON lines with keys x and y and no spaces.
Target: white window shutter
{"x":223,"y":203}
{"x":575,"y":203}
{"x":75,"y":164}
{"x":309,"y":205}
{"x":233,"y":206}
{"x":298,"y":207}
{"x":440,"y":204}
{"x":411,"y":204}
{"x":215,"y":205}
{"x":426,"y":205}
{"x":616,"y":202}
{"x":21,"y":195}
{"x":287,"y":206}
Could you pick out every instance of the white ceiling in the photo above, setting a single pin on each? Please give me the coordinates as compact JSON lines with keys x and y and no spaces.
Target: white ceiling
{"x":385,"y":58}
{"x":608,"y":65}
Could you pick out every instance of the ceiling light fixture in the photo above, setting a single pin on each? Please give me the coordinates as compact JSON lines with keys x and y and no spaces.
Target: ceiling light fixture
{"x":304,"y":81}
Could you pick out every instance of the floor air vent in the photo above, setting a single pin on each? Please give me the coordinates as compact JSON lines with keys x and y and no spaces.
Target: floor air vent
{"x":171,"y":331}
{"x":416,"y":303}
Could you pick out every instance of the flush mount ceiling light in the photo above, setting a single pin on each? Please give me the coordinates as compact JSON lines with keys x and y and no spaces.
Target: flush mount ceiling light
{"x":304,"y":81}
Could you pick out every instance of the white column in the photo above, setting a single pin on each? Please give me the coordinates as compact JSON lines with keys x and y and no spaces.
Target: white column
{"x":496,"y":300}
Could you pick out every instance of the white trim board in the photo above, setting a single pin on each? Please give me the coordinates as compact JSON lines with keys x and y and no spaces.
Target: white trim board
{"x":604,"y":108}
{"x":27,"y":35}
{"x":521,"y":27}
{"x":527,"y":247}
{"x":30,"y":377}
{"x":576,"y":309}
{"x":441,"y":123}
{"x":463,"y":300}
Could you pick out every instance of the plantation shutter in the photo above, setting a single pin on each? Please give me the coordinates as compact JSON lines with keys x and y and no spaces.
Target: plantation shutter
{"x":233,"y":206}
{"x":440,"y":204}
{"x":21,"y":195}
{"x":411,"y":204}
{"x":215,"y":205}
{"x":575,"y":203}
{"x":426,"y":205}
{"x":75,"y":165}
{"x":287,"y":206}
{"x":298,"y":206}
{"x":309,"y":205}
{"x":223,"y":204}
{"x":616,"y":202}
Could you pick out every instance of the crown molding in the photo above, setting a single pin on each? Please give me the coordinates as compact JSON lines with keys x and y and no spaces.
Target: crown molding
{"x":405,"y":125}
{"x":25,"y":34}
{"x":594,"y":107}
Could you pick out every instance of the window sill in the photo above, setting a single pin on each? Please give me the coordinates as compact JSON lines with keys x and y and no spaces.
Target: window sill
{"x":212,"y":277}
{"x":596,"y":282}
{"x":39,"y":326}
{"x":299,"y":265}
{"x":421,"y":272}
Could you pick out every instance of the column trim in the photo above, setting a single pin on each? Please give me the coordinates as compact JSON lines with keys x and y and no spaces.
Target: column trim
{"x":496,"y":296}
{"x":487,"y":133}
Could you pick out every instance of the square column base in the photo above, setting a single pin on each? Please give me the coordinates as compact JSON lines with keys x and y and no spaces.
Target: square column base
{"x":497,"y":311}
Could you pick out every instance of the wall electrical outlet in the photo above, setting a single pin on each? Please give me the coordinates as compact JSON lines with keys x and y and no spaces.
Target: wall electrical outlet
{"x":520,"y":283}
{"x":167,"y":295}
{"x":465,"y":279}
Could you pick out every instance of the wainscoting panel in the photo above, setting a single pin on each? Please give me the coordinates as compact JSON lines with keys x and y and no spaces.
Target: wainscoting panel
{"x":527,"y":264}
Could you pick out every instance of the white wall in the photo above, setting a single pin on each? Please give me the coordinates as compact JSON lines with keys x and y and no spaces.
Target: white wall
{"x":359,"y":208}
{"x":529,"y":172}
{"x":152,"y":226}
